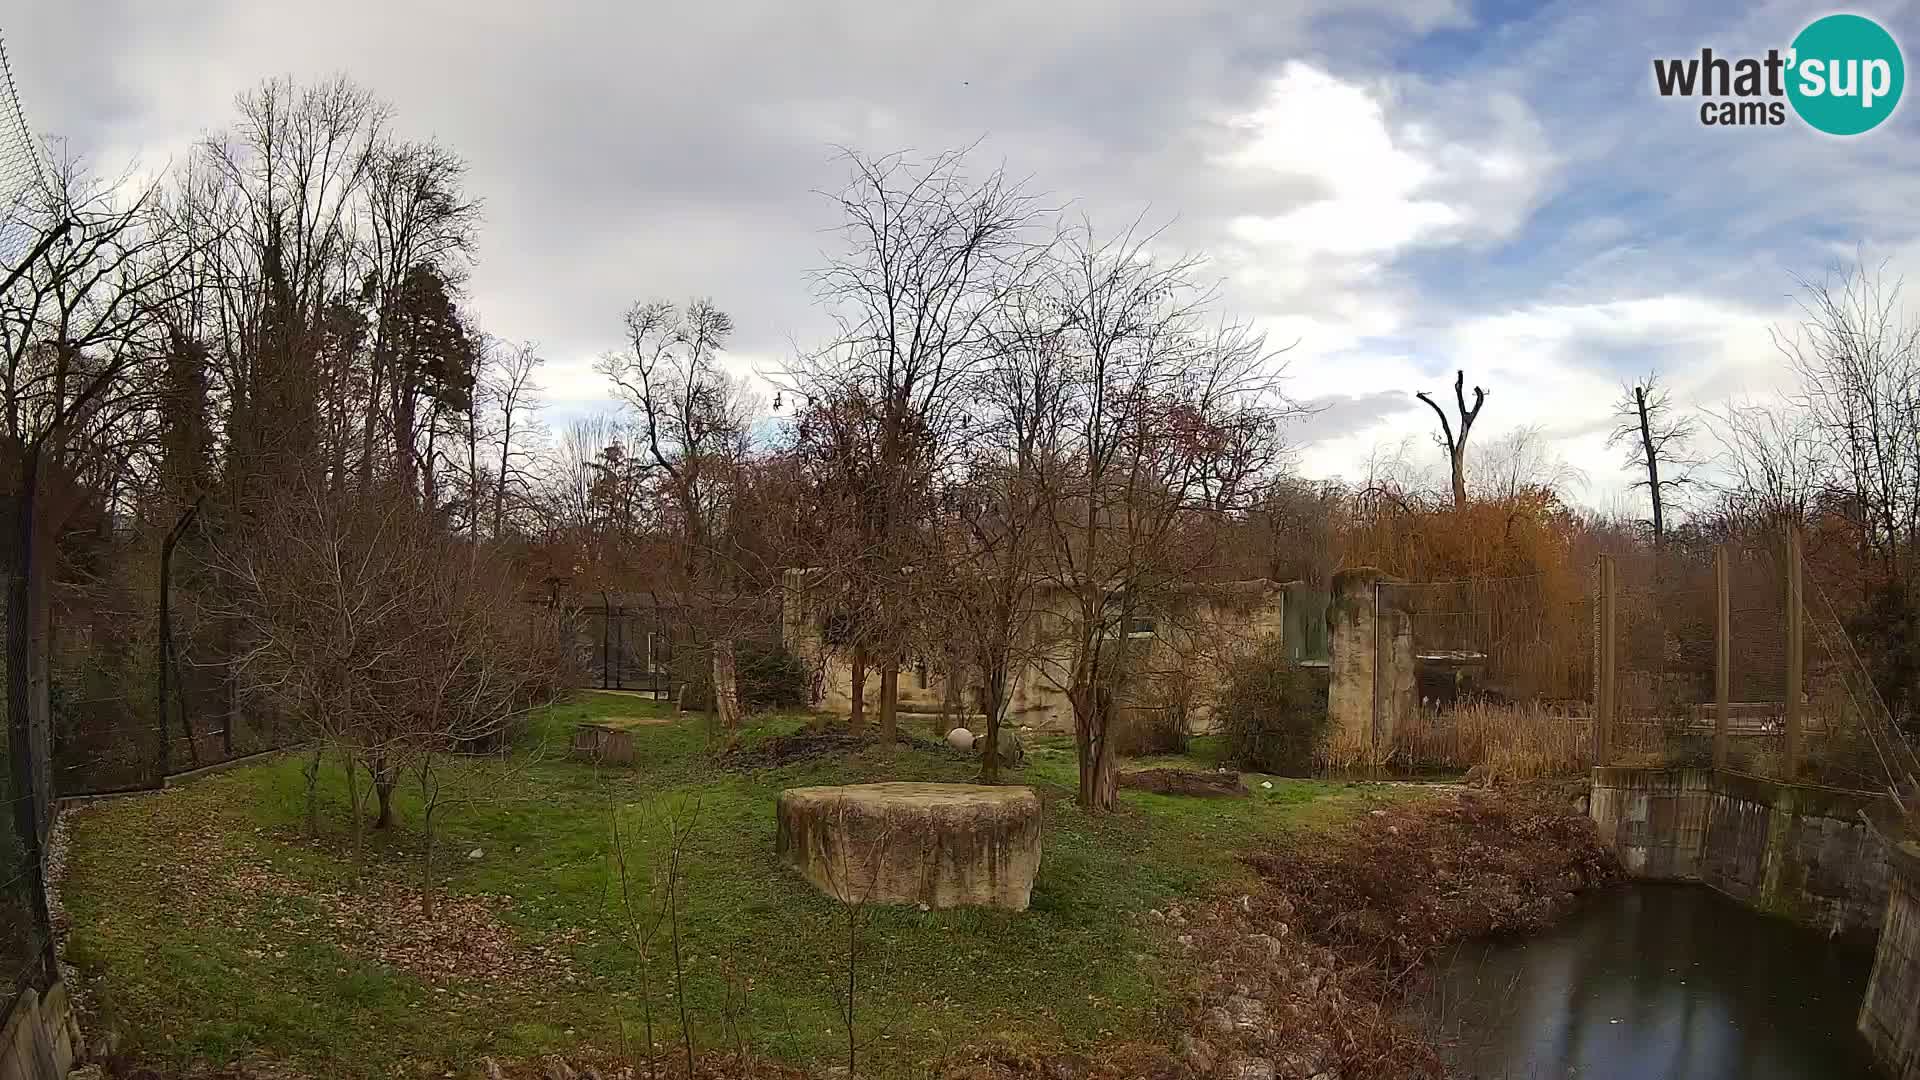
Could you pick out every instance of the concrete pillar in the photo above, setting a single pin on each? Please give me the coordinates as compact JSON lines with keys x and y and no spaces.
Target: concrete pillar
{"x":1371,"y":687}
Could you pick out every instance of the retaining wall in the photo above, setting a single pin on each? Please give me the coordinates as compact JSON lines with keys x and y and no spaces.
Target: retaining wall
{"x":1796,"y":850}
{"x":40,"y":1039}
{"x":1890,"y":1013}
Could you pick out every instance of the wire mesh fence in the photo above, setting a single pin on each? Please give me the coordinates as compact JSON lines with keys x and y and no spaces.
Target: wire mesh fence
{"x":23,"y":173}
{"x":1502,"y":675}
{"x":1723,"y":657}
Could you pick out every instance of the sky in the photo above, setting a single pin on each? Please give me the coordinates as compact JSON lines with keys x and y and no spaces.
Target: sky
{"x":1395,"y":190}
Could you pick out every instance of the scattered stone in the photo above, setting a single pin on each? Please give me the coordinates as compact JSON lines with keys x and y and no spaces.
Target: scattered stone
{"x":1198,"y":1054}
{"x":1267,"y":945}
{"x":1250,"y":1068}
{"x":475,"y":853}
{"x":1246,"y":1013}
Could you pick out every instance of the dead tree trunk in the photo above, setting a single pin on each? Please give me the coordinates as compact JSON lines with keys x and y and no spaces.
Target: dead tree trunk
{"x":1456,"y":445}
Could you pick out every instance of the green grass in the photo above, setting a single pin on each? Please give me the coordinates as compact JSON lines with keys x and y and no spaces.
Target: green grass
{"x":202,"y":966}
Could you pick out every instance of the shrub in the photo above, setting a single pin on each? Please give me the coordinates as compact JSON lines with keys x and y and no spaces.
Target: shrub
{"x":1160,"y":724}
{"x":1274,"y":714}
{"x":771,"y":677}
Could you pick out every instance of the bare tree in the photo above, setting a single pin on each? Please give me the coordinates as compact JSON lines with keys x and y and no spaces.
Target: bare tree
{"x":693,"y":422}
{"x":1658,"y":443}
{"x":931,"y":253}
{"x":79,"y":331}
{"x":1456,"y":444}
{"x":1168,"y":423}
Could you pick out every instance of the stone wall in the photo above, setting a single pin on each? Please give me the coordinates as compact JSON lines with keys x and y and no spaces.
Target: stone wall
{"x":1206,"y":628}
{"x":40,"y":1039}
{"x":1795,"y":850}
{"x":1371,"y":682}
{"x":1890,"y":1013}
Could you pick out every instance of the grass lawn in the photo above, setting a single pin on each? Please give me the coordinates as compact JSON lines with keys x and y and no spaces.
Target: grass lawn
{"x":206,"y":928}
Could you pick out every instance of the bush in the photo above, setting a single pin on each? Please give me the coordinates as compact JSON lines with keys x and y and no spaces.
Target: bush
{"x":1274,"y":714}
{"x":1161,"y":723}
{"x":770,"y":676}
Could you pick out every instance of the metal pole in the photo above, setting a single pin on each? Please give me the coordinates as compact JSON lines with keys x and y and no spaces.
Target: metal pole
{"x":1722,"y":654}
{"x":1373,"y":724}
{"x":1608,"y":705}
{"x":1796,"y":651}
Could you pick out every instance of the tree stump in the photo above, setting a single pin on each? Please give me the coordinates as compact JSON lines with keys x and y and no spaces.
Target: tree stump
{"x":941,"y":845}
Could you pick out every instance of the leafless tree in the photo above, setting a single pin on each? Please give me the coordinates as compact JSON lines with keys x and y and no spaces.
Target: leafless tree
{"x":931,"y":254}
{"x":1168,"y":422}
{"x":1658,"y":441}
{"x":79,"y":335}
{"x":693,"y":420}
{"x":1456,"y":444}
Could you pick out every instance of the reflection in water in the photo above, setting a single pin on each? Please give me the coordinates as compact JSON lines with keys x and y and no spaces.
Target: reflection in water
{"x":1654,"y":981}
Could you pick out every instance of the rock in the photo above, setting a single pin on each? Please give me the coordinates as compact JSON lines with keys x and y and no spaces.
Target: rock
{"x":475,"y":853}
{"x":491,"y":1069}
{"x":960,"y":739}
{"x":1247,"y":1014}
{"x":1250,"y":1068}
{"x":1268,"y":946}
{"x":87,"y":1072}
{"x":943,"y":845}
{"x":1197,"y":1053}
{"x":559,"y":1070}
{"x":1013,"y":749}
{"x":1217,"y":1020}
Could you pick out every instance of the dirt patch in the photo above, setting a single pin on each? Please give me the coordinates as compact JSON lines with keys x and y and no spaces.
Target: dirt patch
{"x":780,"y":750}
{"x":1214,"y":785}
{"x":1306,"y":975}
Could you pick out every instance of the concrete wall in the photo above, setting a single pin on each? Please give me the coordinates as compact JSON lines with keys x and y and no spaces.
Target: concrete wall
{"x":1791,"y":849}
{"x":1890,"y":1013}
{"x":40,"y":1039}
{"x":1195,"y":639}
{"x":1370,"y":688}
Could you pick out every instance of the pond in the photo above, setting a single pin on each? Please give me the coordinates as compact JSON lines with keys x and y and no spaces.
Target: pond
{"x":1651,"y":981}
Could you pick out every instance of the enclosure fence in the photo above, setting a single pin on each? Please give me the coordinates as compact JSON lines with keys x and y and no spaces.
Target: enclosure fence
{"x":1727,"y":657}
{"x":1502,"y":674}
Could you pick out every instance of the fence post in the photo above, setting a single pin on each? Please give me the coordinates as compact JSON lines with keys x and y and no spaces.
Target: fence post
{"x":1722,"y":654}
{"x":1796,"y":651}
{"x":1607,"y":704}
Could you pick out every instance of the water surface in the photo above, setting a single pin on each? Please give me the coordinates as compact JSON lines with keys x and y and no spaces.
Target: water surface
{"x":1652,"y":981}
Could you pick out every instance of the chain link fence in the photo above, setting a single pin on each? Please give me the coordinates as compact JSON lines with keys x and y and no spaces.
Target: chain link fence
{"x":1502,"y":676}
{"x":1723,"y":656}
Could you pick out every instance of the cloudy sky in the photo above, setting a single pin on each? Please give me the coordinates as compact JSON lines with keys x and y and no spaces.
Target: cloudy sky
{"x":1403,"y":188}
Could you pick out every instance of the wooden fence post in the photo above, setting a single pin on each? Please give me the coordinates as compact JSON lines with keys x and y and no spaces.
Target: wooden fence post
{"x":1796,"y":652}
{"x":1722,"y":653}
{"x":1608,"y":703}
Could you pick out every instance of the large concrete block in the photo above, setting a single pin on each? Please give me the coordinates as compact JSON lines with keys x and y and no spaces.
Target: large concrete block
{"x":942,"y":845}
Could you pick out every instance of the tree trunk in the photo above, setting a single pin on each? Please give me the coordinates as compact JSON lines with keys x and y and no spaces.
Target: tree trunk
{"x":726,"y":684}
{"x":385,"y":778}
{"x":1092,"y":721}
{"x":312,"y":774}
{"x":1653,"y":466}
{"x":426,"y":867}
{"x":949,"y":717}
{"x":993,"y":704}
{"x":889,"y":700}
{"x":1458,"y":460}
{"x":857,"y":711}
